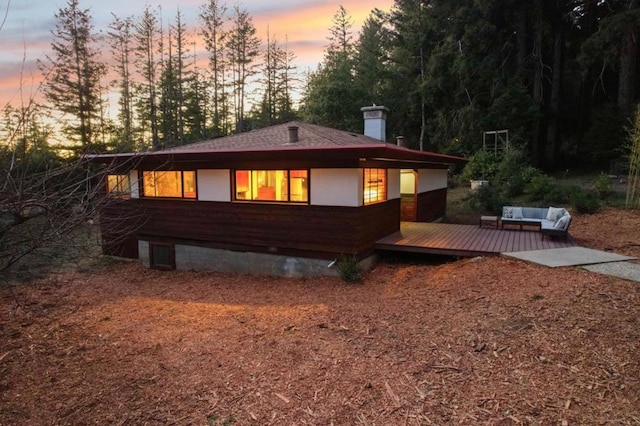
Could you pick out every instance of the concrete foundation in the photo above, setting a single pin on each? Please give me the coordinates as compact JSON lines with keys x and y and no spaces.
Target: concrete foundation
{"x":196,"y":258}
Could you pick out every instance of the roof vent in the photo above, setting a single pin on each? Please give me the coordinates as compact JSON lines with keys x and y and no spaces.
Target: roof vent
{"x":293,"y":134}
{"x":400,"y":141}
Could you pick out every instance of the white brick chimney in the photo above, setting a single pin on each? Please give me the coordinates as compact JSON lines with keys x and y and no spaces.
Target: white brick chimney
{"x":375,"y":122}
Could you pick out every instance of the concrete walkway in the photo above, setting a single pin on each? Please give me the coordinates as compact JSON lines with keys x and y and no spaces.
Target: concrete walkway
{"x":601,"y":262}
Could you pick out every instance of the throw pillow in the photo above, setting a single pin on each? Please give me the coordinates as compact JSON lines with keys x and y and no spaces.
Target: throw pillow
{"x":517,"y":212}
{"x":507,"y":212}
{"x":562,"y":222}
{"x":554,"y":213}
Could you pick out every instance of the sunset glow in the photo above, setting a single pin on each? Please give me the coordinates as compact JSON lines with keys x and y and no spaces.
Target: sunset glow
{"x":302,"y":24}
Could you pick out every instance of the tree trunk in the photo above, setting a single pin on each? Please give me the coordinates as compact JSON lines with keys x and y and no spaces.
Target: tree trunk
{"x":522,"y":40}
{"x":628,"y":66}
{"x":586,"y":85}
{"x":539,"y":132}
{"x":554,"y":129}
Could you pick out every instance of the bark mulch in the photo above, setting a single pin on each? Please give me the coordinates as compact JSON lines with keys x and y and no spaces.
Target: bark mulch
{"x":474,"y":341}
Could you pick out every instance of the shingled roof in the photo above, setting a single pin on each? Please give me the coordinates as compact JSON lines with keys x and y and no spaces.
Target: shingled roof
{"x":313,"y":143}
{"x":277,"y":136}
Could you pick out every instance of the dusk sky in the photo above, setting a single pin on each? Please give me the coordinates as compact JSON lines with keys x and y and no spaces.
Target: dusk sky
{"x":25,"y":34}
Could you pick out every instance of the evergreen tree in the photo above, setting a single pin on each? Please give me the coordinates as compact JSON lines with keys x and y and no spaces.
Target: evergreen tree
{"x":277,"y":79}
{"x":242,"y":45}
{"x":332,"y":96}
{"x":372,"y":65}
{"x":74,"y":73}
{"x":147,"y":50}
{"x":173,"y":83}
{"x":195,"y":104}
{"x":212,"y":31}
{"x":121,"y":43}
{"x":411,"y":44}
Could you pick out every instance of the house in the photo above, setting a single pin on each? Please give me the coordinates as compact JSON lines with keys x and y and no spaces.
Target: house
{"x":285,"y":200}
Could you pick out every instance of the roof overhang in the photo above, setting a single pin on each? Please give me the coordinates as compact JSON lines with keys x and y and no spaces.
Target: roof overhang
{"x":317,"y":157}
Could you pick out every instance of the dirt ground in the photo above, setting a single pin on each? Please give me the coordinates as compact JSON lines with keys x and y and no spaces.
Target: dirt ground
{"x":474,"y":341}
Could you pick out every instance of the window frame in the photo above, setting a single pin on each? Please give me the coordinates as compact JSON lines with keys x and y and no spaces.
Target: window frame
{"x":234,"y":186}
{"x":120,"y":178}
{"x":153,"y":246}
{"x":385,"y":184}
{"x":182,"y":185}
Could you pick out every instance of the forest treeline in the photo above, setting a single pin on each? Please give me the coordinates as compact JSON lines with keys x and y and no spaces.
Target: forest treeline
{"x":560,"y":75}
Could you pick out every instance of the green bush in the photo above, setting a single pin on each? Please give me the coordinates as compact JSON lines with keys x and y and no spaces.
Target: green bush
{"x":557,"y":195}
{"x":482,"y":165}
{"x":585,"y":202}
{"x":489,"y":199}
{"x":602,"y":186}
{"x":349,"y":269}
{"x":541,"y":186}
{"x":510,"y":173}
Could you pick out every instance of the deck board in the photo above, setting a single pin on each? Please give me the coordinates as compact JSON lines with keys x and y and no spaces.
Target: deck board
{"x":465,"y":240}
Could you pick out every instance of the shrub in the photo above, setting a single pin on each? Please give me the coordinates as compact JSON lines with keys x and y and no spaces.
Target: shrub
{"x":488,"y":198}
{"x":349,"y":269}
{"x":602,"y":186}
{"x":541,"y":186}
{"x":510,"y":172}
{"x":584,"y":201}
{"x":556,"y":195}
{"x":482,"y":165}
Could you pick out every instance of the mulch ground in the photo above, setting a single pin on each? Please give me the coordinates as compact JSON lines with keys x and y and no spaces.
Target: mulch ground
{"x":473,"y":341}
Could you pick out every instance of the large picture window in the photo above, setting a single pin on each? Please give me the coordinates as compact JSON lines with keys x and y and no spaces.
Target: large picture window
{"x":375,"y":185}
{"x":174,"y":184}
{"x":286,"y":186}
{"x":119,"y":185}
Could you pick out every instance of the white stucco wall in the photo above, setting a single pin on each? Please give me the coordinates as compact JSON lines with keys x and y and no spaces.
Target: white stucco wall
{"x":214,"y":185}
{"x":336,"y":187}
{"x":393,"y":184}
{"x":133,"y":181}
{"x":431,"y":179}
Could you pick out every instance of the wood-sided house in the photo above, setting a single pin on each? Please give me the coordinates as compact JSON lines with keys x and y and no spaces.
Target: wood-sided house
{"x":284,"y":200}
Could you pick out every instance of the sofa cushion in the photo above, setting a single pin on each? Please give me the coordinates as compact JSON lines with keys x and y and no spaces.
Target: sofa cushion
{"x":507,"y":212}
{"x":554,"y":213}
{"x":533,"y":213}
{"x":563,"y":222}
{"x":546,"y":224}
{"x":516,"y":212}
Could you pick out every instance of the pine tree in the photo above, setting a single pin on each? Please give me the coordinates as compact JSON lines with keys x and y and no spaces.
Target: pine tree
{"x":212,"y":31}
{"x":372,"y":65}
{"x":243,"y":49}
{"x":173,"y":83}
{"x":195,"y":103}
{"x":147,"y":49}
{"x":121,"y":43}
{"x":332,"y":96}
{"x":277,"y":79}
{"x":74,"y":73}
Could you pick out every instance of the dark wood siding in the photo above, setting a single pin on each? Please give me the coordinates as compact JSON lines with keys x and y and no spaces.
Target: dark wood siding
{"x":408,"y":208}
{"x":431,"y":205}
{"x":314,"y":231}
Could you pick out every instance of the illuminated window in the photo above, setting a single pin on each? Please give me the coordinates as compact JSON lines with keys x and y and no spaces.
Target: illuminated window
{"x":174,"y":184}
{"x":119,"y":185}
{"x":286,"y":186}
{"x":375,"y":185}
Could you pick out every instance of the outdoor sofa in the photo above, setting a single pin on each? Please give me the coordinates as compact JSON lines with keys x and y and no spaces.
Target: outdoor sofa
{"x":550,"y":221}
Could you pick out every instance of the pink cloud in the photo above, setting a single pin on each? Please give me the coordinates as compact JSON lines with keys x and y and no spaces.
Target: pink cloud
{"x":304,"y":25}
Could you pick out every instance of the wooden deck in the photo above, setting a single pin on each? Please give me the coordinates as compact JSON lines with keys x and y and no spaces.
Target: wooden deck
{"x":465,"y":240}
